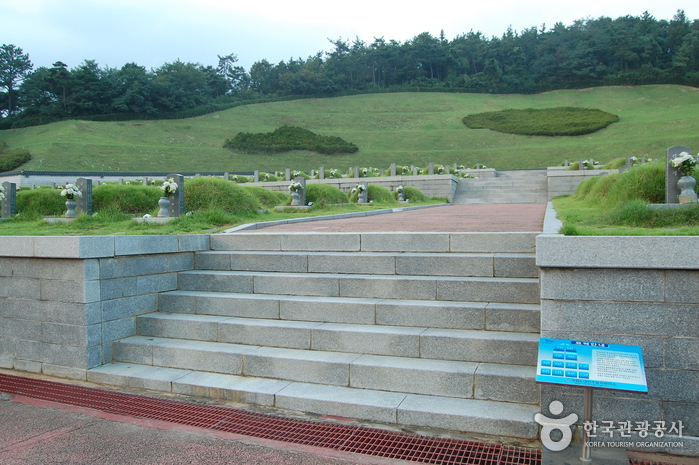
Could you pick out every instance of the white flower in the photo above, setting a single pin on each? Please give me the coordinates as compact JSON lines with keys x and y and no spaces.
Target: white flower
{"x":295,"y":186}
{"x":169,"y":187}
{"x":2,"y":193}
{"x":684,"y":163}
{"x":360,"y":187}
{"x":70,"y":191}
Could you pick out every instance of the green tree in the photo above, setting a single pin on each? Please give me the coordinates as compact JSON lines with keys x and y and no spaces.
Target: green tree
{"x":14,"y":67}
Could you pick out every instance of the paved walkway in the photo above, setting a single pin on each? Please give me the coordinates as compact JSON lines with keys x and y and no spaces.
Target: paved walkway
{"x":452,"y":218}
{"x":36,"y":432}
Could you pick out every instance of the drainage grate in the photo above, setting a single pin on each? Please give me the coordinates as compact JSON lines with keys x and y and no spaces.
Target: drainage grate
{"x":347,"y":438}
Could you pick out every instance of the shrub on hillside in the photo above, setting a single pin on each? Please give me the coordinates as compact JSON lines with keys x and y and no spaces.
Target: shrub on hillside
{"x":287,"y":138}
{"x":324,"y":194}
{"x":203,"y":193}
{"x":560,"y":121}
{"x":12,"y":159}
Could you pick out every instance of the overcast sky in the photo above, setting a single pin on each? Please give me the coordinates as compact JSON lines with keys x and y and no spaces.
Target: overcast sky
{"x":153,"y":32}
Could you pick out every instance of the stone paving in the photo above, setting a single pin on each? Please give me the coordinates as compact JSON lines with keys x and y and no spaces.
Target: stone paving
{"x":451,"y":218}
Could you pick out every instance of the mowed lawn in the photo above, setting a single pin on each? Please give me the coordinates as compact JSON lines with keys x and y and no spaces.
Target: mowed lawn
{"x":402,"y":128}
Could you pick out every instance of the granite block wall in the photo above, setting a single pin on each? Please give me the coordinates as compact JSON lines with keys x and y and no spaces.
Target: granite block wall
{"x":640,"y":291}
{"x":64,"y":300}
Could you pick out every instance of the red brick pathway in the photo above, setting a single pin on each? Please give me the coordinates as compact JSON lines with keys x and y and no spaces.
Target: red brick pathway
{"x":452,"y":218}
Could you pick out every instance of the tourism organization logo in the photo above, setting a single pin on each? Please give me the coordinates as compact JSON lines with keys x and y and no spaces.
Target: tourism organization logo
{"x":549,"y":425}
{"x":604,"y":433}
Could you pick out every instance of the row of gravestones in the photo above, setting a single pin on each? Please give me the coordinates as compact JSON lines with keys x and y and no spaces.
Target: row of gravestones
{"x":357,"y":173}
{"x":84,"y":202}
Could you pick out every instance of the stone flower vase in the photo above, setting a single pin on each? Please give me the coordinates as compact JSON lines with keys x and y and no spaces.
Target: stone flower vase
{"x":164,"y":204}
{"x":687,"y":193}
{"x":295,"y":198}
{"x":70,"y":208}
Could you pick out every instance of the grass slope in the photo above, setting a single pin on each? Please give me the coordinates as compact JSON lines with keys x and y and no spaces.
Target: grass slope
{"x":405,"y":128}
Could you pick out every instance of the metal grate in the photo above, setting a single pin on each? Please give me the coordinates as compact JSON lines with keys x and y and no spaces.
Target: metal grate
{"x":347,"y":438}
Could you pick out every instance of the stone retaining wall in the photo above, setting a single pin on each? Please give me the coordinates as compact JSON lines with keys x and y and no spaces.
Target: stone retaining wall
{"x":641,"y":291}
{"x":64,"y":300}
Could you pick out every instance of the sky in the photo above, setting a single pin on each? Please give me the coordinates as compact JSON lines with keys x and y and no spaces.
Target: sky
{"x":151,"y":33}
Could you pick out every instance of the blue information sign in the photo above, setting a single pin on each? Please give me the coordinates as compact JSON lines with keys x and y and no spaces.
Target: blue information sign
{"x":591,"y":364}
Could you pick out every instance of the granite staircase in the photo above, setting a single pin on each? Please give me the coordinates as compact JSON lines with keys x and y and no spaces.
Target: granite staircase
{"x":424,"y":329}
{"x":515,"y":186}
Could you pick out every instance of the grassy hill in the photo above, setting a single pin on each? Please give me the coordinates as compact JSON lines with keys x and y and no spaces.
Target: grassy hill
{"x":405,"y":128}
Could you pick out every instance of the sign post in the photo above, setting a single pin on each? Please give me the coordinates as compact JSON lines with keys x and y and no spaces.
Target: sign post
{"x":589,"y":365}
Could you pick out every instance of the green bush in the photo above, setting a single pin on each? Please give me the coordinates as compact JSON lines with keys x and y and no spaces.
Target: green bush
{"x":324,"y":194}
{"x":268,"y":198}
{"x":560,"y":121}
{"x":645,"y":182}
{"x":239,"y":178}
{"x":268,"y":177}
{"x":37,"y":203}
{"x":136,"y":200}
{"x":12,"y":159}
{"x":413,"y":194}
{"x":287,"y":138}
{"x":584,"y":188}
{"x":204,"y":193}
{"x":376,"y":194}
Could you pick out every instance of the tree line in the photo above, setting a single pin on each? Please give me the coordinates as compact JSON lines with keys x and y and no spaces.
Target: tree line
{"x":629,"y":50}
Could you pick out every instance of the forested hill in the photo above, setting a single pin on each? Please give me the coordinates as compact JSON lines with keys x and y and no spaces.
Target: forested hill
{"x":629,"y":50}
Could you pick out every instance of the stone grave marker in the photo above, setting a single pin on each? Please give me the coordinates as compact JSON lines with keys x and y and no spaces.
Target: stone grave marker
{"x":84,"y":202}
{"x":672,"y":174}
{"x":9,"y":203}
{"x":393,"y":169}
{"x":302,"y":193}
{"x":177,"y":199}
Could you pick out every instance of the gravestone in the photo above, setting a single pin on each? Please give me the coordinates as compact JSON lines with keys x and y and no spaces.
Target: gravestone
{"x":177,"y":199}
{"x":414,"y":170}
{"x":672,"y":174}
{"x":287,"y":175}
{"x":393,"y":169}
{"x":430,"y":168}
{"x":84,"y":202}
{"x":321,"y":173}
{"x":356,"y":171}
{"x":9,"y":203}
{"x":363,"y":196}
{"x":256,"y":176}
{"x":302,"y":193}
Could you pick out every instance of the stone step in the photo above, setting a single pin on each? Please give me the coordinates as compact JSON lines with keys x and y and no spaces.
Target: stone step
{"x":450,"y":288}
{"x":468,"y":380}
{"x":403,"y":242}
{"x":511,"y":348}
{"x":392,"y":312}
{"x":511,"y":265}
{"x":467,"y":415}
